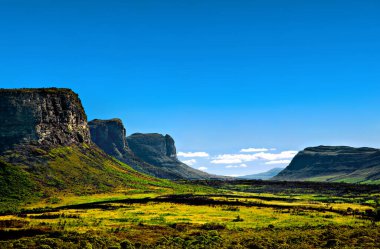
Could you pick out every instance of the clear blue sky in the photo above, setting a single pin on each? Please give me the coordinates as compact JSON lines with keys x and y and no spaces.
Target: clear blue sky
{"x":219,"y":76}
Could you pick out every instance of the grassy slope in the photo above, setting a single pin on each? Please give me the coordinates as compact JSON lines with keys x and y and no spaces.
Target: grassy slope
{"x":65,"y":171}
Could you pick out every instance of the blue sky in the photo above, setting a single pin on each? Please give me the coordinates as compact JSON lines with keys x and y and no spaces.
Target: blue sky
{"x":219,"y":76}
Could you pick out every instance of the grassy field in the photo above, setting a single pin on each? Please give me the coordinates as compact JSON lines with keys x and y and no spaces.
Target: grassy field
{"x":333,"y":217}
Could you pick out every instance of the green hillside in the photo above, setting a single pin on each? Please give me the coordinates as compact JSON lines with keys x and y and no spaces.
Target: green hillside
{"x":32,"y":174}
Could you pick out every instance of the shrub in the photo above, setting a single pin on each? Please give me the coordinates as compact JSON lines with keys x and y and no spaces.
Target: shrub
{"x":126,"y":244}
{"x":213,"y":226}
{"x":237,"y":219}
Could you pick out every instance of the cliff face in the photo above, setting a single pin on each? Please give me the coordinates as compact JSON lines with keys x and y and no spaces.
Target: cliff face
{"x":44,"y":117}
{"x":334,"y":163}
{"x":45,"y":147}
{"x":160,"y":151}
{"x":110,"y":136}
{"x":153,"y":148}
{"x":153,"y":154}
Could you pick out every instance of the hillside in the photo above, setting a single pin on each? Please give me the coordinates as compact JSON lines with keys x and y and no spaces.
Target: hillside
{"x":46,"y":150}
{"x":334,"y":164}
{"x":264,"y":175}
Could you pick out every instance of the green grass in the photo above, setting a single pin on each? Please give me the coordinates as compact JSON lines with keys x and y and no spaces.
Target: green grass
{"x":174,"y":225}
{"x":60,"y":172}
{"x":15,"y":187}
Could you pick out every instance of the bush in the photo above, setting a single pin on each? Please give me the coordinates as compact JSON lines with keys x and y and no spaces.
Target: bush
{"x":237,"y":219}
{"x":213,"y":226}
{"x":126,"y":244}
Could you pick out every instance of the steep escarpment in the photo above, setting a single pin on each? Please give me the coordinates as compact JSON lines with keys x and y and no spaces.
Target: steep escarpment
{"x":160,"y":151}
{"x":46,"y":149}
{"x":334,"y":163}
{"x":110,"y":136}
{"x":43,"y":117}
{"x":153,"y":154}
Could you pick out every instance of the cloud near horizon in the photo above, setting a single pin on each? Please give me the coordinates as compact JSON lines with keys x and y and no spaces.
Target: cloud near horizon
{"x":240,"y":158}
{"x":202,"y":168}
{"x":243,"y":165}
{"x":193,"y":154}
{"x":256,"y":150}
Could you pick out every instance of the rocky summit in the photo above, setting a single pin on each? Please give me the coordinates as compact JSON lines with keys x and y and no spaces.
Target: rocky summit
{"x":334,"y":163}
{"x":45,"y":117}
{"x":153,"y":153}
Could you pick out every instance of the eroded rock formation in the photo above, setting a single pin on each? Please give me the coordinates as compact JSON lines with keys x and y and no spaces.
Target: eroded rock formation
{"x":46,"y":117}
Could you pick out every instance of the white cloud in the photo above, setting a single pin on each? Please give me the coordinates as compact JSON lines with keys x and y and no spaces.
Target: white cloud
{"x":190,"y":162}
{"x":234,"y":175}
{"x":240,"y":158}
{"x":193,"y":154}
{"x":202,"y":168}
{"x":277,"y":156}
{"x":243,"y":165}
{"x":279,"y":162}
{"x":226,"y":161}
{"x":254,"y":150}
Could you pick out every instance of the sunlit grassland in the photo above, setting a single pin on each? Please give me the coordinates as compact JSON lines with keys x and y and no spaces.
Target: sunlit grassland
{"x":168,"y":213}
{"x":194,"y":216}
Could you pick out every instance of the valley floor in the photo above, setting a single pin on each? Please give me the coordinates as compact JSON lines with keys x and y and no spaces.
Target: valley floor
{"x":245,"y":214}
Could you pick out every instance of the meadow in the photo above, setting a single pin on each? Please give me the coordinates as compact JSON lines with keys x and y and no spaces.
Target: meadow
{"x":224,"y":214}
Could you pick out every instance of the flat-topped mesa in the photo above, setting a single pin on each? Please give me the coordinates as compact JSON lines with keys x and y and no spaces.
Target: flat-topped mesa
{"x":333,"y":163}
{"x":41,"y":116}
{"x":160,"y":152}
{"x":153,"y":148}
{"x":110,"y":136}
{"x":152,"y":153}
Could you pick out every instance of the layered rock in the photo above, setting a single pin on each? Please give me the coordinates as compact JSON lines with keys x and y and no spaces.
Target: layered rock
{"x":160,"y":151}
{"x":154,"y":148}
{"x":334,"y":163}
{"x":110,"y":136}
{"x":45,"y":149}
{"x":153,"y":154}
{"x":45,"y":117}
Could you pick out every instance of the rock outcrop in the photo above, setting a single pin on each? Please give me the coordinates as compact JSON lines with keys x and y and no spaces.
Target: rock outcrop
{"x":153,"y":154}
{"x":334,"y":163}
{"x":110,"y":135}
{"x":45,"y":117}
{"x":154,"y":148}
{"x":160,"y":151}
{"x":45,"y":149}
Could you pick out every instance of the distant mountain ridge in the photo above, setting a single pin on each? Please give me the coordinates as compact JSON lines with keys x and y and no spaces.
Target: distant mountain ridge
{"x":264,"y":175}
{"x":334,"y":164}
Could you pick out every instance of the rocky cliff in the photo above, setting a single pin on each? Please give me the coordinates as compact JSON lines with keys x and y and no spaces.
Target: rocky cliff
{"x":153,"y":154}
{"x":110,"y":135}
{"x":334,"y":163}
{"x":46,"y":149}
{"x":160,"y":151}
{"x":45,"y":117}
